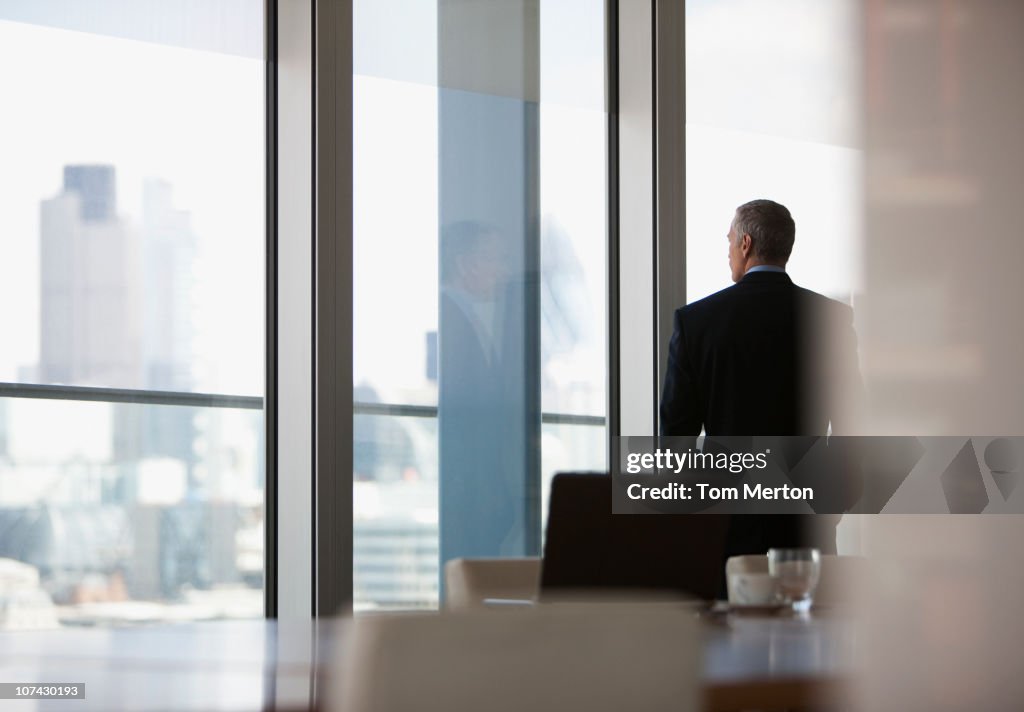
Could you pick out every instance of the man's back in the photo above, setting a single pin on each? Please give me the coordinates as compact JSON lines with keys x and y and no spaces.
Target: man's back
{"x":762,"y":357}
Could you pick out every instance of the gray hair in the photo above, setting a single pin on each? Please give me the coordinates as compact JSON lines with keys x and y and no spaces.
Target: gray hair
{"x":770,"y":226}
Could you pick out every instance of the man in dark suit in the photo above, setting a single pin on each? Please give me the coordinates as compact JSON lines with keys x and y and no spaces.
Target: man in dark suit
{"x":763,"y":357}
{"x":478,"y":486}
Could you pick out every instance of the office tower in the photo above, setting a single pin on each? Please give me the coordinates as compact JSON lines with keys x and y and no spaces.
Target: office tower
{"x":90,"y":286}
{"x":169,"y":253}
{"x":96,"y":188}
{"x":166,"y":262}
{"x":167,"y":245}
{"x":116,"y":311}
{"x":115,"y":299}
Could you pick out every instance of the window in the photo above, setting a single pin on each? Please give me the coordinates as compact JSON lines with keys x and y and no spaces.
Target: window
{"x":772,"y":103}
{"x":774,"y":111}
{"x":479,"y":291}
{"x":131,"y":423}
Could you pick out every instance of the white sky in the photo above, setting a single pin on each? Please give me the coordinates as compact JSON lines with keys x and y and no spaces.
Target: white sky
{"x":193,"y":118}
{"x":772,"y":101}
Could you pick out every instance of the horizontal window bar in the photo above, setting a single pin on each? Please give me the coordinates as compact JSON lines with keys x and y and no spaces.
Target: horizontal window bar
{"x":405,"y":411}
{"x":430,"y":411}
{"x":571,"y":419}
{"x":217,"y":400}
{"x":129,"y":395}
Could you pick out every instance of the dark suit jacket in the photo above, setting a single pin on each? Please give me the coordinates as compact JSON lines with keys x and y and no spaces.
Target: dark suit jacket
{"x":477,"y":507}
{"x":762,"y":357}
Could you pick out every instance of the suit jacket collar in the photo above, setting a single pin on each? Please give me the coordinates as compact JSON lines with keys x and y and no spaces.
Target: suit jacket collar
{"x":765,"y":278}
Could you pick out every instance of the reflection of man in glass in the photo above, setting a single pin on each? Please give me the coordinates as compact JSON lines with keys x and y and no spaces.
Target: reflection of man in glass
{"x":472,"y":274}
{"x":478,"y":508}
{"x":763,"y":357}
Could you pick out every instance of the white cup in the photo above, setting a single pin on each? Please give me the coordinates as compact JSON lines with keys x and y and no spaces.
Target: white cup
{"x":751,"y":589}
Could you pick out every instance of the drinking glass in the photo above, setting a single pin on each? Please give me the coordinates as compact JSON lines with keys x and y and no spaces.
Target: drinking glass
{"x":796,"y":573}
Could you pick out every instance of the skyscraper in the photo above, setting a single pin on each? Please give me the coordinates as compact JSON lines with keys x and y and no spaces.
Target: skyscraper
{"x":117,"y":311}
{"x":169,"y":256}
{"x":96,"y":187}
{"x":90,"y":301}
{"x":116,"y":299}
{"x":116,"y":305}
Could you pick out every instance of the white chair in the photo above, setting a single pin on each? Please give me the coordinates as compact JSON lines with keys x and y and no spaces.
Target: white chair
{"x":470,"y":582}
{"x":593,"y":657}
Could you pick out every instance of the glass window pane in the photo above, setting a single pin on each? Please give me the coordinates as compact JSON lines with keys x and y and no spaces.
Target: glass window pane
{"x":772,"y":97}
{"x":133,"y":229}
{"x":480,"y":233}
{"x":395,"y":511}
{"x":570,"y":447}
{"x":105,"y":520}
{"x":133,"y":183}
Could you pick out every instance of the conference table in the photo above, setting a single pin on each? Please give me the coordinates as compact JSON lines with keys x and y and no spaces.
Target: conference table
{"x":770,"y":663}
{"x":761,"y":662}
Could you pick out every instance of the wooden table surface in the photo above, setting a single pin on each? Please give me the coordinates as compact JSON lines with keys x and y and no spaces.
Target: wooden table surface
{"x":761,"y":663}
{"x":777,"y":663}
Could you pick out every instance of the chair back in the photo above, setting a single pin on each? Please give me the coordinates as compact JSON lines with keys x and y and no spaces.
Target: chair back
{"x":470,"y":582}
{"x":593,"y":657}
{"x":589,"y":548}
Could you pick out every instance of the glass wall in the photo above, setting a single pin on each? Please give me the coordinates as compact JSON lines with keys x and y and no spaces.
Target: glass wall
{"x":133,"y":231}
{"x":480,"y":233}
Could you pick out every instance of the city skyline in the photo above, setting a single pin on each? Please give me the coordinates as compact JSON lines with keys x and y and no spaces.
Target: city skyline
{"x":193,"y":118}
